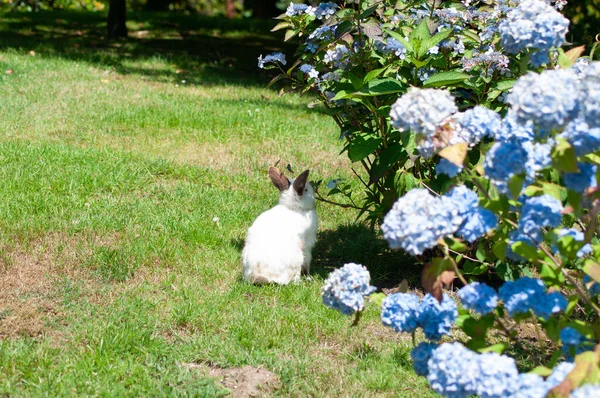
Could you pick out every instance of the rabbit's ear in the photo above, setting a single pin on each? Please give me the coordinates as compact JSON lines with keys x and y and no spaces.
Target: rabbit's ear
{"x":279,"y":179}
{"x":300,"y":182}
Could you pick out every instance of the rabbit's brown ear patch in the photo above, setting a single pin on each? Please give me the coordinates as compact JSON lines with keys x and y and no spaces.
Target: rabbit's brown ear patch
{"x":279,"y":179}
{"x":300,"y":182}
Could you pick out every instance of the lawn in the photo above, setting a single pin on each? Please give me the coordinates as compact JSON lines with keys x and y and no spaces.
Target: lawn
{"x":129,"y":174}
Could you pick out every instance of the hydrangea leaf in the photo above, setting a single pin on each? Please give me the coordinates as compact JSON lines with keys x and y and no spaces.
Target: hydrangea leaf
{"x":386,"y":160}
{"x":592,"y":268}
{"x":437,"y":273}
{"x":550,"y":275}
{"x":418,"y":36}
{"x":568,"y":246}
{"x":541,"y":371}
{"x":362,"y":145}
{"x":554,"y":190}
{"x":374,"y":73}
{"x":455,"y":245}
{"x":446,"y":78}
{"x":473,"y":268}
{"x":381,"y":86}
{"x":564,"y":158}
{"x":478,"y":328}
{"x":290,"y":33}
{"x":524,"y":250}
{"x":499,"y":248}
{"x":574,"y":53}
{"x":586,"y":370}
{"x":455,"y":153}
{"x":281,"y":25}
{"x":400,"y":38}
{"x":498,"y":348}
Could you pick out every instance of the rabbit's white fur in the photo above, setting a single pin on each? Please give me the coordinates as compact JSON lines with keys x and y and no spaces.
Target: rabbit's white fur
{"x":279,"y":243}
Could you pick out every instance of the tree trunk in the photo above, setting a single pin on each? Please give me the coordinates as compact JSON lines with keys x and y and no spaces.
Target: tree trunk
{"x":230,"y":10}
{"x":117,"y":13}
{"x":157,"y":5}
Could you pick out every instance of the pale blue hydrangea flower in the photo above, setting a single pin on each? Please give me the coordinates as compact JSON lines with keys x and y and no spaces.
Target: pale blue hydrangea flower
{"x":497,"y":375}
{"x":578,"y":236}
{"x":424,"y":73}
{"x":503,"y":161}
{"x":422,"y":110}
{"x":592,"y":286}
{"x":559,"y":373}
{"x":437,"y":318}
{"x":400,"y":312}
{"x":322,"y":32}
{"x":310,"y":71}
{"x":479,"y":123}
{"x":273,"y":57}
{"x":530,"y":385}
{"x":538,"y":157}
{"x":491,"y":60}
{"x":295,"y":9}
{"x":586,"y":391}
{"x":346,"y":287}
{"x":574,"y":343}
{"x":396,"y":47}
{"x":420,"y":356}
{"x":582,"y":137}
{"x":538,"y":212}
{"x":418,"y":219}
{"x":531,"y":100}
{"x":590,"y":94}
{"x":477,"y":223}
{"x":334,"y":76}
{"x":526,"y":294}
{"x":512,"y":130}
{"x":448,"y":168}
{"x":533,"y":25}
{"x":451,"y":377}
{"x":325,"y":10}
{"x":582,"y":180}
{"x":311,"y":47}
{"x":465,"y":200}
{"x":478,"y":297}
{"x":338,"y":56}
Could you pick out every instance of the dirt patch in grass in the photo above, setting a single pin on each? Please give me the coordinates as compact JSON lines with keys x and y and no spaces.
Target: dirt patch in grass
{"x":29,"y":276}
{"x":244,"y":382}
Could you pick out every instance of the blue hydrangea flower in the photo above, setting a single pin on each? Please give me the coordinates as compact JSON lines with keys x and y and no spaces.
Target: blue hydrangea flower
{"x":497,"y":375}
{"x":464,"y":199}
{"x":519,"y":296}
{"x":586,"y":391}
{"x":538,"y":157}
{"x":578,"y":236}
{"x":453,"y":370}
{"x":592,"y":286}
{"x":538,"y":212}
{"x":512,"y":130}
{"x":422,"y":111}
{"x":346,"y":287}
{"x":531,"y":100}
{"x":477,"y":223}
{"x":532,"y":25}
{"x":273,"y":57}
{"x":323,"y":32}
{"x":582,"y":137}
{"x":478,"y":297}
{"x":559,"y":373}
{"x":309,"y":70}
{"x":530,"y":385}
{"x":552,"y":303}
{"x":324,"y":10}
{"x":479,"y":123}
{"x":400,"y":312}
{"x":590,"y":94}
{"x":574,"y":343}
{"x":338,"y":56}
{"x":418,"y":219}
{"x":448,"y":168}
{"x":503,"y":161}
{"x":395,"y":47}
{"x":420,"y":356}
{"x":437,"y":318}
{"x":295,"y":9}
{"x":582,"y":180}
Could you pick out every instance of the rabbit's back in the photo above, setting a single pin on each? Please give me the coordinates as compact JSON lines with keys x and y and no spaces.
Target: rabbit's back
{"x":276,"y":245}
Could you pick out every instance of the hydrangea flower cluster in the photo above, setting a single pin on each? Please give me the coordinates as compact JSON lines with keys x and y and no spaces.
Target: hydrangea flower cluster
{"x":418,"y":219}
{"x":422,"y":111}
{"x":574,"y":342}
{"x":273,"y":57}
{"x":533,"y":25}
{"x":455,"y":371}
{"x":476,"y":221}
{"x":476,"y":124}
{"x":345,"y":288}
{"x":405,"y":313}
{"x":592,"y":286}
{"x":448,"y":168}
{"x":538,"y":212}
{"x":478,"y":297}
{"x":583,"y":179}
{"x":489,"y":61}
{"x":527,"y":294}
{"x":578,"y":236}
{"x":584,"y":138}
{"x":295,"y":9}
{"x":505,"y":160}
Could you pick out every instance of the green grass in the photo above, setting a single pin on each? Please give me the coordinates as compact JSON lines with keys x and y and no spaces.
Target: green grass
{"x":116,"y":277}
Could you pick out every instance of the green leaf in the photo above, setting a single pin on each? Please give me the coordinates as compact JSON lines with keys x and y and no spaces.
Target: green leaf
{"x":473,"y":268}
{"x":377,"y":298}
{"x":386,"y":160}
{"x":401,"y":39}
{"x":478,"y":328}
{"x":524,"y":250}
{"x":505,"y":85}
{"x":499,"y":348}
{"x":373,"y":74}
{"x":362,"y":145}
{"x":418,"y":36}
{"x":355,"y":80}
{"x":568,"y":247}
{"x":343,"y":28}
{"x":382,"y":86}
{"x":541,"y":371}
{"x":456,"y":245}
{"x":366,"y":13}
{"x":554,"y":190}
{"x":290,"y":33}
{"x":515,"y":185}
{"x":563,"y":157}
{"x":499,"y":249}
{"x":276,"y":79}
{"x":551,"y":275}
{"x":433,"y":41}
{"x":281,"y":25}
{"x":592,"y":268}
{"x":447,"y":78}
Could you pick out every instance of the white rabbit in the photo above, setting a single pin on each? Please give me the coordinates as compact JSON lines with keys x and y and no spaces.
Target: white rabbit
{"x":279,"y":243}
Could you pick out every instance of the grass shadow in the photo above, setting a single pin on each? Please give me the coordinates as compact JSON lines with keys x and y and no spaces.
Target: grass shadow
{"x":202,"y":50}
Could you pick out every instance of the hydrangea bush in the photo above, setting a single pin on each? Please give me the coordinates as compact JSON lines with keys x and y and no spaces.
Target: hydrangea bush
{"x":479,"y":137}
{"x":377,"y":66}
